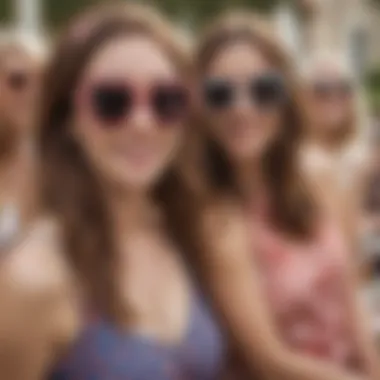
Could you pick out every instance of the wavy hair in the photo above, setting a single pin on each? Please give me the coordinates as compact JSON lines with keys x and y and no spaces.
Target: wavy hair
{"x":70,"y":190}
{"x":292,"y":207}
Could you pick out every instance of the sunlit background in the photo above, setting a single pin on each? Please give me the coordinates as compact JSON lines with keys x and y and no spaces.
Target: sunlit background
{"x":352,"y":25}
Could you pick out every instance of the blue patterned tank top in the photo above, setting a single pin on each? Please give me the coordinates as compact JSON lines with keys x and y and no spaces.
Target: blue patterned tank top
{"x":104,"y":352}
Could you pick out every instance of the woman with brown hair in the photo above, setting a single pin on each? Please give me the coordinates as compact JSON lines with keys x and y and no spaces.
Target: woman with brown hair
{"x":21,"y":63}
{"x":275,"y":263}
{"x":108,"y":295}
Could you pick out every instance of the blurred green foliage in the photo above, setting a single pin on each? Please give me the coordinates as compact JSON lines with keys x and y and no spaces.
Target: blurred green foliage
{"x":372,"y":84}
{"x":192,"y":12}
{"x":199,"y":11}
{"x":57,"y":12}
{"x":5,"y":10}
{"x":195,"y":11}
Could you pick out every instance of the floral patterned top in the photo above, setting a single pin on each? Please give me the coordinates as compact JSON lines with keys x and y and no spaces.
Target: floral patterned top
{"x":304,"y":285}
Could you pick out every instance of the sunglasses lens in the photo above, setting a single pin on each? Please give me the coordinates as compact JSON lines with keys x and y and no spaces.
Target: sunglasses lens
{"x":17,"y":81}
{"x":327,"y":90}
{"x":111,"y":103}
{"x":170,"y":102}
{"x":218,"y":94}
{"x":267,"y":90}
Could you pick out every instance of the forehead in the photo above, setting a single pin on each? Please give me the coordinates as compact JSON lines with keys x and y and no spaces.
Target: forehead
{"x":239,"y":59}
{"x":136,"y":57}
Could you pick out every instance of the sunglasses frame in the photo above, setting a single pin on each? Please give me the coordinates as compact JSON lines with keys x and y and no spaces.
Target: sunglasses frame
{"x":140,"y":97}
{"x":327,"y":90}
{"x":237,"y":89}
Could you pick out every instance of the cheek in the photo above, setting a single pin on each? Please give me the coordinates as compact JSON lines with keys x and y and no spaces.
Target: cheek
{"x":16,"y":105}
{"x":273,"y":124}
{"x":167,"y":143}
{"x":313,"y":109}
{"x":270,"y":128}
{"x":245,"y":137}
{"x":92,"y":138}
{"x":11,"y":108}
{"x":6,"y":98}
{"x":130,"y":157}
{"x":349,"y":111}
{"x":335,"y":112}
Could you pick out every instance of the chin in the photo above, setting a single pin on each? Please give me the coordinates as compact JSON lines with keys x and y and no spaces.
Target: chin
{"x":248,"y":153}
{"x":139,"y":183}
{"x":245,"y":157}
{"x":335,"y":127}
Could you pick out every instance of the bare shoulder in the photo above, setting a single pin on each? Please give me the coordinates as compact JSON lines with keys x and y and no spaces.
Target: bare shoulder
{"x":36,"y":267}
{"x":39,"y":315}
{"x":37,"y":293}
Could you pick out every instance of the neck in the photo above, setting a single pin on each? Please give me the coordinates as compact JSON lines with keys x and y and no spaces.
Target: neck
{"x":250,"y":179}
{"x":130,"y":210}
{"x":327,"y":142}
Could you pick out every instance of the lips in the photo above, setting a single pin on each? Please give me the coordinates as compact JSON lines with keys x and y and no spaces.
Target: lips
{"x":137,"y":154}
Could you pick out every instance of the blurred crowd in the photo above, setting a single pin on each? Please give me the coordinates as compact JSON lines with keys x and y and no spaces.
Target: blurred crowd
{"x":198,"y":208}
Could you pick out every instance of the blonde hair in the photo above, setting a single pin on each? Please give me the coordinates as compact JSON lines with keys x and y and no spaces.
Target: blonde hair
{"x":309,"y":68}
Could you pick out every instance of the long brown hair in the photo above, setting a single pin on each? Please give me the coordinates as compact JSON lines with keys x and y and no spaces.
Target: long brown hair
{"x":70,"y":191}
{"x":292,"y":207}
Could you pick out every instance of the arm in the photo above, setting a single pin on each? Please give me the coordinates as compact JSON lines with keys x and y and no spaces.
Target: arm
{"x":361,"y":322}
{"x":353,"y":207}
{"x":36,"y":316}
{"x":359,"y":315}
{"x":236,"y":290}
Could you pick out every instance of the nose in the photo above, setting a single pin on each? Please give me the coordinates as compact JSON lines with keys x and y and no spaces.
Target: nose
{"x":142,"y":119}
{"x":243,"y":102}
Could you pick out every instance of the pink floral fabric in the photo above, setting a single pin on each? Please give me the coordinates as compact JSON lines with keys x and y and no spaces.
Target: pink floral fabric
{"x":304,"y":284}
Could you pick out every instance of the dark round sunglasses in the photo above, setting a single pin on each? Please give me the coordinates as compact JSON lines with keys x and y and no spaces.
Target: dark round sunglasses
{"x":112,"y":102}
{"x":265,"y":90}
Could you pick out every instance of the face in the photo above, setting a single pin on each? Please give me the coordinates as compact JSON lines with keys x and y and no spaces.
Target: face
{"x":19,"y":84}
{"x":243,"y":96}
{"x":329,"y":100}
{"x":130,"y":112}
